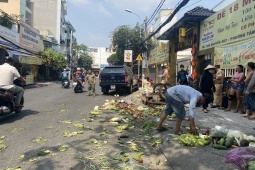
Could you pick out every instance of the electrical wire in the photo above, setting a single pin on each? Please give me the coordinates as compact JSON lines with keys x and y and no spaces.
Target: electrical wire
{"x":155,"y":12}
{"x":191,"y":5}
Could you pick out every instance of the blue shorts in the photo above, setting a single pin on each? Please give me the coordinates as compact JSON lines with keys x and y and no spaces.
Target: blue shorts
{"x":173,"y":105}
{"x":239,"y":86}
{"x":250,"y":102}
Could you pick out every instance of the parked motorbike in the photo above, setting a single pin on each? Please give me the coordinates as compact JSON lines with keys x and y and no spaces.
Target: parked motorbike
{"x":7,"y":100}
{"x":66,"y":83}
{"x":77,"y":85}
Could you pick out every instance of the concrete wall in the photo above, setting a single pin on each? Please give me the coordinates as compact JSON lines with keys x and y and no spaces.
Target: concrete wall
{"x":100,"y":57}
{"x":47,"y":16}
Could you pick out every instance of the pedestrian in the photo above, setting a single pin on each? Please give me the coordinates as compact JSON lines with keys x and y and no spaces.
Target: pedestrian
{"x":218,"y":81}
{"x":206,"y":83}
{"x":176,"y":98}
{"x":250,"y":94}
{"x":91,"y":79}
{"x":250,"y":70}
{"x":237,"y":88}
{"x":182,"y":76}
{"x":166,"y":75}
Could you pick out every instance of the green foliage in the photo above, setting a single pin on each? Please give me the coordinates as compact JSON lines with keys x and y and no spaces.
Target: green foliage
{"x":126,"y":38}
{"x":80,"y":49}
{"x":85,"y":61}
{"x":113,"y":59}
{"x":51,"y":58}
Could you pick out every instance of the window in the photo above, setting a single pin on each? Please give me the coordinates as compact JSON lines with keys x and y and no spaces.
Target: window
{"x":4,"y":1}
{"x":28,"y":4}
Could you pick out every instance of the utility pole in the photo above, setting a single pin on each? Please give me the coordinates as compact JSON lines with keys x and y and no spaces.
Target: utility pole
{"x":145,"y":54}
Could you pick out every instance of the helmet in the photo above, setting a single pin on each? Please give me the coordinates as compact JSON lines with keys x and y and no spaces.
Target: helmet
{"x":64,"y":69}
{"x":9,"y":59}
{"x":79,"y":68}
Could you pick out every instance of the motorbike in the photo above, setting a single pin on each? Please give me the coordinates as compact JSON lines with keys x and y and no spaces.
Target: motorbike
{"x":66,"y":83}
{"x":77,"y":85}
{"x":7,"y":100}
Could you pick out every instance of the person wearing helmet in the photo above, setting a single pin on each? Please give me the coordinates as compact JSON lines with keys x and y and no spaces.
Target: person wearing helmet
{"x":64,"y":75}
{"x":7,"y":75}
{"x":80,"y":75}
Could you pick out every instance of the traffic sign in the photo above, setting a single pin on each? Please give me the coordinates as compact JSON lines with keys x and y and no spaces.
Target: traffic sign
{"x":139,"y":58}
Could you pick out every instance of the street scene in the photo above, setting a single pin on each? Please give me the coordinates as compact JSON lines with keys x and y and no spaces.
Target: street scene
{"x":127,"y":85}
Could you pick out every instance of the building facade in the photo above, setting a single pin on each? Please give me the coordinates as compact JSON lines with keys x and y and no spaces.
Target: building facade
{"x":21,"y":9}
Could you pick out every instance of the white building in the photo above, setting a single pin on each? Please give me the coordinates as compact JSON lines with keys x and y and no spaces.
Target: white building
{"x":49,"y":16}
{"x":99,"y":56}
{"x":161,"y":18}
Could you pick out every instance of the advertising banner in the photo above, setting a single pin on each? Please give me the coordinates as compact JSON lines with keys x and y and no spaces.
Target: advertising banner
{"x":30,"y":60}
{"x":29,"y":38}
{"x":9,"y":35}
{"x":238,"y":53}
{"x":235,"y":22}
{"x":159,"y":54}
{"x":128,"y":57}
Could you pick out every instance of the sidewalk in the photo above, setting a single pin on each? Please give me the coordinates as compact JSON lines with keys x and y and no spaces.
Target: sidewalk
{"x":39,"y":84}
{"x":180,"y":157}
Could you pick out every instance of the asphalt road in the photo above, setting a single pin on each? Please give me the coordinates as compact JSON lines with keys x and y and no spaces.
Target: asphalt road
{"x":55,"y":131}
{"x":45,"y":108}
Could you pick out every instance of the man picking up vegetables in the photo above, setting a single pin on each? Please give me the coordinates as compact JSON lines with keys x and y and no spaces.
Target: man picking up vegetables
{"x":176,"y":97}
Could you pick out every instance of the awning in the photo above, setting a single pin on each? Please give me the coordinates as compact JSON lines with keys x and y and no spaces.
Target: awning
{"x":25,"y":57}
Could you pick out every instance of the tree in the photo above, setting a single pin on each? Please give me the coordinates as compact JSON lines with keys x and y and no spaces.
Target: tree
{"x":113,"y":59}
{"x":80,"y":49}
{"x":50,"y":58}
{"x":85,"y":61}
{"x":126,"y":38}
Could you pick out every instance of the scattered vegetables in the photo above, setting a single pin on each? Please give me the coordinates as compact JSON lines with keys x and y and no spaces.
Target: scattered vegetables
{"x":43,"y":152}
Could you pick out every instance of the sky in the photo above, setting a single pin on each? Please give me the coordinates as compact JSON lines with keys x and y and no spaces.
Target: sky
{"x":94,"y":20}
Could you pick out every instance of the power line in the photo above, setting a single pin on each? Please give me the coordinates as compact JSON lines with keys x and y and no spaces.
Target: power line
{"x":155,"y":12}
{"x":182,"y":4}
{"x":191,"y":5}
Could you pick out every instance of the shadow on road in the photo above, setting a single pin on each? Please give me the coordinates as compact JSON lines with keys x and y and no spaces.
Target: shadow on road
{"x":17,"y":116}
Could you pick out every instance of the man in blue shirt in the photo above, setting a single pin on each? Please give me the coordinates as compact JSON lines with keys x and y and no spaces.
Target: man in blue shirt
{"x":176,"y":97}
{"x":64,"y":75}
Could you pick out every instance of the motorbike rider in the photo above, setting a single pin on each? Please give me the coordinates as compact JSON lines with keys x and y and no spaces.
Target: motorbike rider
{"x":7,"y":75}
{"x":64,"y":75}
{"x":79,"y":75}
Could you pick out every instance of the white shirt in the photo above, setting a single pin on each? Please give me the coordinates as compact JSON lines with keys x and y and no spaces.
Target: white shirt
{"x":186,"y":95}
{"x":7,"y":74}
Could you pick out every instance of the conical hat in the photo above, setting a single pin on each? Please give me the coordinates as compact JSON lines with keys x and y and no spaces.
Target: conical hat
{"x":209,"y":67}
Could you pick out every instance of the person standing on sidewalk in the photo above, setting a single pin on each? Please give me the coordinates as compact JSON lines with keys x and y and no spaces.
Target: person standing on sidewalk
{"x":91,"y":79}
{"x":218,"y":81}
{"x":237,"y":88}
{"x":207,"y":84}
{"x":250,"y":94}
{"x":182,"y":76}
{"x":176,"y":98}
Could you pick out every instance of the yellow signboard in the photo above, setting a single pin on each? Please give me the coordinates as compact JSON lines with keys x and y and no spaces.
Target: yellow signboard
{"x":234,"y":23}
{"x":238,"y":53}
{"x":30,"y":60}
{"x":29,"y":79}
{"x":139,"y":58}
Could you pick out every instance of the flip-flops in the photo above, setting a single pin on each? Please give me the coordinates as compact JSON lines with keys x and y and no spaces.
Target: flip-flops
{"x":162,"y":129}
{"x":178,"y":133}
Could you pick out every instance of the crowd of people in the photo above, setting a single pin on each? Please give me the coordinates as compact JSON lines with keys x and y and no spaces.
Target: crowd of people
{"x":213,"y":87}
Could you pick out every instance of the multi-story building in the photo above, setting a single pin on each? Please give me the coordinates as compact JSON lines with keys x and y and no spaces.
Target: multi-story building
{"x":99,"y":56}
{"x":21,"y":9}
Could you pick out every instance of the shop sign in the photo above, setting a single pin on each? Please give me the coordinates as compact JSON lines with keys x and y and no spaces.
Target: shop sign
{"x":238,"y":53}
{"x":29,"y":38}
{"x":29,"y":79}
{"x":153,"y":56}
{"x":30,"y":60}
{"x":162,"y":53}
{"x":234,"y":23}
{"x":9,"y":35}
{"x":128,"y":56}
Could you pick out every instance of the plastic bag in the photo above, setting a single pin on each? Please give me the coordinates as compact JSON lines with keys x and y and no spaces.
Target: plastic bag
{"x":235,"y":133}
{"x":240,"y":157}
{"x":219,"y":131}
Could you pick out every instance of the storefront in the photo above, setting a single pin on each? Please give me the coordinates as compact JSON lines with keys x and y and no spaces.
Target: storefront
{"x":157,"y":59}
{"x":227,"y":37}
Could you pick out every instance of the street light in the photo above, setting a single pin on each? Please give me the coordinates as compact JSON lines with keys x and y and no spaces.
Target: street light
{"x":128,"y":10}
